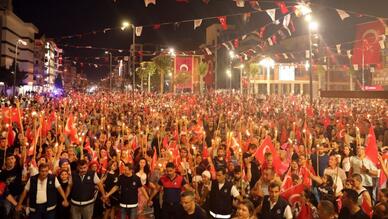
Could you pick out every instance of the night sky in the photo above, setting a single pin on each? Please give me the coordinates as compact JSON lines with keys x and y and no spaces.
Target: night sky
{"x":57,"y":18}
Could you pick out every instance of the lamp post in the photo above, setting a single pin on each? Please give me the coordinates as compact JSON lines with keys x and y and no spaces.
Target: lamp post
{"x":268,"y":63}
{"x":229,"y":74}
{"x":110,"y":69}
{"x":312,"y":26}
{"x":241,"y":73}
{"x":231,"y":57}
{"x":241,"y":67}
{"x":24,"y":43}
{"x":124,"y":26}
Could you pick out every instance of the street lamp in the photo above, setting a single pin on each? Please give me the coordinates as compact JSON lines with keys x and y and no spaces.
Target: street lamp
{"x":110,"y":69}
{"x":229,"y":74}
{"x":231,"y":56}
{"x":241,"y":67}
{"x":23,"y":43}
{"x":312,"y":26}
{"x":125,"y":25}
{"x":268,"y":63}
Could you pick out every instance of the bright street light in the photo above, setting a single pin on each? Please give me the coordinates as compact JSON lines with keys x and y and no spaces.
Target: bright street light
{"x":229,"y":73}
{"x":308,"y":17}
{"x":231,"y":54}
{"x":268,"y":63}
{"x":125,"y":25}
{"x":24,"y":43}
{"x":313,"y":25}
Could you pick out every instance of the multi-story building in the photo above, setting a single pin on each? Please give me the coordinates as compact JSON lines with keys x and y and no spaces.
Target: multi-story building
{"x":13,"y":29}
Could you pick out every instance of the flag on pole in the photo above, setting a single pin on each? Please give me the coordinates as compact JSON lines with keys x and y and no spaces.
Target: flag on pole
{"x":271,"y":13}
{"x":138,"y":30}
{"x":197,"y":23}
{"x":223,"y":23}
{"x":282,"y":6}
{"x":371,"y":146}
{"x":240,"y":3}
{"x":342,"y":14}
{"x":147,"y":2}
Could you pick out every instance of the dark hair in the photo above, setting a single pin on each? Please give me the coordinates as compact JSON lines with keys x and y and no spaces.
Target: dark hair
{"x":221,"y":169}
{"x":170,"y":165}
{"x":146,"y":167}
{"x":357,"y":177}
{"x":274,"y":185}
{"x":129,"y":165}
{"x":351,"y":194}
{"x":43,"y":165}
{"x":310,"y":197}
{"x":249,"y":205}
{"x":327,"y":207}
{"x":82,"y":163}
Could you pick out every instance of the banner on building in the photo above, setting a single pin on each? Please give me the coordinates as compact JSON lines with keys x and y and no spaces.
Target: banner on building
{"x":367,"y":45}
{"x":183,"y":72}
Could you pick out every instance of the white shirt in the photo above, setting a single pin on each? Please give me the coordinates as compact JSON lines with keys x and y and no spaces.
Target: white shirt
{"x":287,"y":212}
{"x":356,"y":164}
{"x":233,"y":191}
{"x":338,"y":175}
{"x":41,"y":195}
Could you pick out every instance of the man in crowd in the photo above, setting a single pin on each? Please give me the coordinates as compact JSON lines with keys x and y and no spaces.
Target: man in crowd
{"x":350,"y":207}
{"x":128,"y":186}
{"x":221,"y":194}
{"x":172,"y":184}
{"x":82,"y":191}
{"x":190,"y":209}
{"x":360,"y":164}
{"x":42,"y":191}
{"x":274,"y":206}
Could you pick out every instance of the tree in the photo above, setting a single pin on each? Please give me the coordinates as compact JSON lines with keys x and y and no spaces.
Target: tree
{"x":253,"y":69}
{"x":202,"y":69}
{"x":163,"y":65}
{"x":7,"y":76}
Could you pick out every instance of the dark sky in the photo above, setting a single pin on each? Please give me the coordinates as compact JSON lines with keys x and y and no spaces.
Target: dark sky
{"x":56,"y":18}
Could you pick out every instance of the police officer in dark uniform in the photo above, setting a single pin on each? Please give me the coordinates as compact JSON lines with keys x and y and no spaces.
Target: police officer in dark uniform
{"x":82,"y":193}
{"x":42,"y":190}
{"x":274,"y":206}
{"x":220,"y":199}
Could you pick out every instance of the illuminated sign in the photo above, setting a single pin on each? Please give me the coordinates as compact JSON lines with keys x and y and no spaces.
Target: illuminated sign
{"x":286,"y":72}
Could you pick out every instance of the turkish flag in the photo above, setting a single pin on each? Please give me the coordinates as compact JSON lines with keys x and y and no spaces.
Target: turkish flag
{"x":184,"y":65}
{"x":223,"y":23}
{"x":371,"y":146}
{"x":267,"y":146}
{"x":71,"y":130}
{"x":282,"y":6}
{"x":367,"y":43}
{"x":297,"y":189}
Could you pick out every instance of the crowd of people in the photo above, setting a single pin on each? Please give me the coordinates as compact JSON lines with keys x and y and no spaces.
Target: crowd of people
{"x":219,"y":155}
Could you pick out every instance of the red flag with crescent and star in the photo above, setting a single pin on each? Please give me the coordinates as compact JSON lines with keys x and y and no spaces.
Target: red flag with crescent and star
{"x":267,"y":146}
{"x":367,"y":44}
{"x":184,"y":65}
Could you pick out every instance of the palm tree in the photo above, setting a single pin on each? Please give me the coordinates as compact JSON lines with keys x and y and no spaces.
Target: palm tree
{"x":202,"y":69}
{"x":150,"y":69}
{"x":163,"y":65}
{"x":253,"y":70}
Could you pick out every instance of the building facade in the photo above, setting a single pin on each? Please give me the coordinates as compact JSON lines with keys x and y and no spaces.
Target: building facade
{"x":14,"y":29}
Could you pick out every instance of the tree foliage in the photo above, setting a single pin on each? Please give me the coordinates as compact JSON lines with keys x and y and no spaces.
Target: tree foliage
{"x":7,"y":76}
{"x":163,"y":65}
